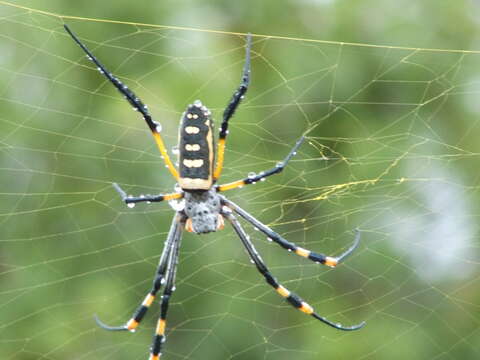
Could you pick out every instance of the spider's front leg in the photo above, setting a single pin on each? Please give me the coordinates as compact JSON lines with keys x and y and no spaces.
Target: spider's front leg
{"x":287,"y":245}
{"x":292,"y":298}
{"x":173,"y":238}
{"x":132,"y":200}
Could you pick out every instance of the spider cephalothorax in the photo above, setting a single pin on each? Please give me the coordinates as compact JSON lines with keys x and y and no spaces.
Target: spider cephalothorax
{"x":204,"y":209}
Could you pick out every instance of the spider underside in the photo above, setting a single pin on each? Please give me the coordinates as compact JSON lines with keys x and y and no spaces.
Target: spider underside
{"x":203,"y":208}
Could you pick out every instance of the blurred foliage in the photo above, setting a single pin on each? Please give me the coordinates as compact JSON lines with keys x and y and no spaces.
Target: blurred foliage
{"x":392,"y":148}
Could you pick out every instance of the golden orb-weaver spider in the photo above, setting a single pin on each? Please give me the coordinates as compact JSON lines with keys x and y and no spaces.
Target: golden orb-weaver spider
{"x":203,"y":209}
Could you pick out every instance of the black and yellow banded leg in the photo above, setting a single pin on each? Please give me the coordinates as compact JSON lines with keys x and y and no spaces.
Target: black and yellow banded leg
{"x":159,"y":337}
{"x":137,"y":104}
{"x":172,"y":238}
{"x":230,"y":110}
{"x":293,"y":248}
{"x":264,"y":174}
{"x":137,"y":317}
{"x":147,"y":198}
{"x":289,"y":296}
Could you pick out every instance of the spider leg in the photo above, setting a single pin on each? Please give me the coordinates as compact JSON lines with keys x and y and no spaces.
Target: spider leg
{"x":292,"y":298}
{"x":148,"y":198}
{"x":316,"y":257}
{"x":159,"y":337}
{"x":172,"y":238}
{"x":264,"y":174}
{"x":230,"y":109}
{"x":137,"y":104}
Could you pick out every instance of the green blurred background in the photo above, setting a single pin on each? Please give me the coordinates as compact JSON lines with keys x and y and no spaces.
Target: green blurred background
{"x":392,"y":149}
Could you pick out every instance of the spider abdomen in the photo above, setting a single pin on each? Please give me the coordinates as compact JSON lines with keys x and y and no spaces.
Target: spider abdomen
{"x":196,"y":148}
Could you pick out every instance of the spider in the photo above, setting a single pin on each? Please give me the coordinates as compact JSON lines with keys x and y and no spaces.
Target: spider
{"x":202,"y":208}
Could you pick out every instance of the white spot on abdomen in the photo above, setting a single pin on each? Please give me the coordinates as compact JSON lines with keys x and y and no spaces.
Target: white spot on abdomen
{"x":193,"y":163}
{"x":192,"y":147}
{"x":192,"y":130}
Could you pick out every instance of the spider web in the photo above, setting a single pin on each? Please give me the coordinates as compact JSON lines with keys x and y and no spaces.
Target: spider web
{"x":392,"y":148}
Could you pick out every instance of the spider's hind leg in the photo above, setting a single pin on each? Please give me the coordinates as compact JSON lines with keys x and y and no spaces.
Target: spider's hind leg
{"x":133,"y":99}
{"x":230,"y":109}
